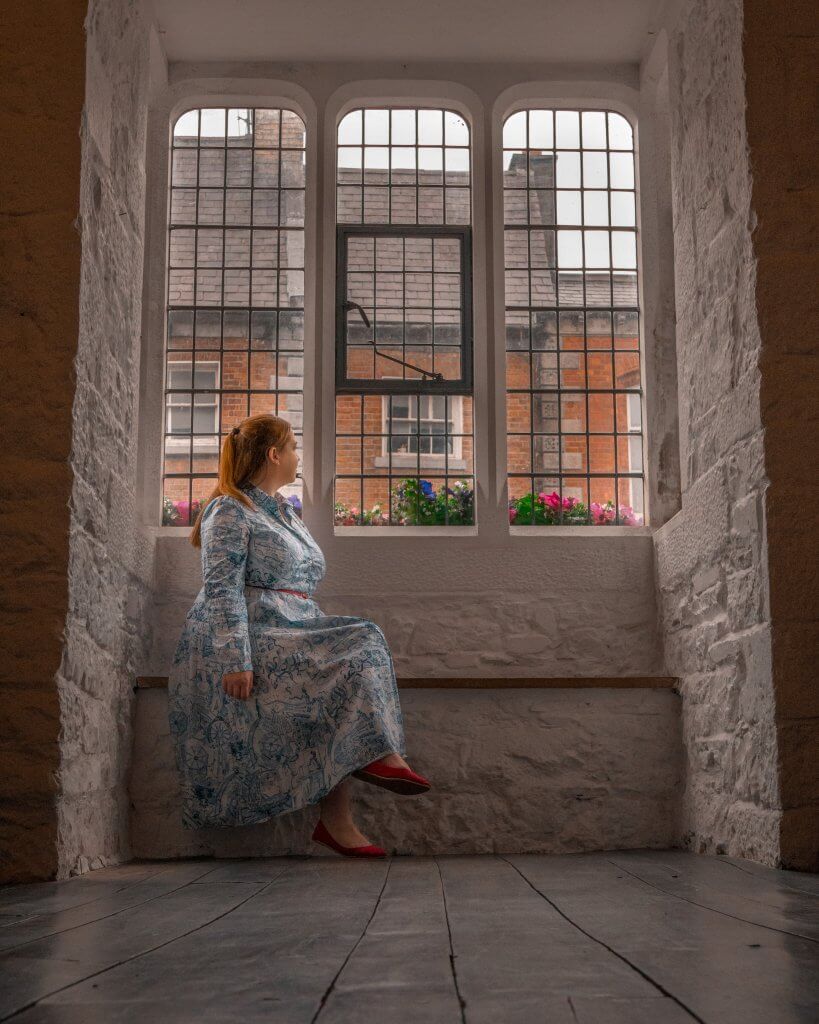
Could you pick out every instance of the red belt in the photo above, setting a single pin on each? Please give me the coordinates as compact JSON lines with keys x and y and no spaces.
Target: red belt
{"x":301,"y":593}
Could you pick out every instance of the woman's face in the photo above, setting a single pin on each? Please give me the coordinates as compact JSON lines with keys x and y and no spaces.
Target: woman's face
{"x":289,"y":458}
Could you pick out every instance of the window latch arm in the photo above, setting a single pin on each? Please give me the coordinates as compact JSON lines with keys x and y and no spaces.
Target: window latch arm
{"x":349,"y":304}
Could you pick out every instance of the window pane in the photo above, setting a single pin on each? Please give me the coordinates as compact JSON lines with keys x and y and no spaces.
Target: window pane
{"x":230,"y":169}
{"x":395,"y":168}
{"x":573,"y":377}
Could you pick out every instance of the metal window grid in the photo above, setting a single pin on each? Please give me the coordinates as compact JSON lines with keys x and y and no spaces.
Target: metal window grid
{"x":249,"y":313}
{"x":555,"y":271}
{"x":350,"y":388}
{"x":356,"y":385}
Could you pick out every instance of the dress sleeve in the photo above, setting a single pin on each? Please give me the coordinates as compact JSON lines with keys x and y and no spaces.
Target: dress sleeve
{"x":225,"y":537}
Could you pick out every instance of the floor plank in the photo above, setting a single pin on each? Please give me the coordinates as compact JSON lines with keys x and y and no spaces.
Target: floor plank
{"x":627,"y":1011}
{"x":20,"y":901}
{"x":515,"y":956}
{"x":271,"y":958}
{"x":628,"y":937}
{"x":40,"y":968}
{"x":801,"y":881}
{"x":718,"y":968}
{"x":708,"y":883}
{"x":400,"y":972}
{"x":138,"y":893}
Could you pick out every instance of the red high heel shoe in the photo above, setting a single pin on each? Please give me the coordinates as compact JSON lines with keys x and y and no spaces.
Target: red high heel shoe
{"x":321,"y":835}
{"x":399,"y":780}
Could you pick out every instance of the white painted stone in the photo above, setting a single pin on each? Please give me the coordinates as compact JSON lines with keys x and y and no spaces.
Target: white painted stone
{"x":712,"y":568}
{"x":107,"y":633}
{"x":513,"y":771}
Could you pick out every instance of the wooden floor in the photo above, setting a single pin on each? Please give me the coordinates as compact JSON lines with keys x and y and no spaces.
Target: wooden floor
{"x":609,"y":938}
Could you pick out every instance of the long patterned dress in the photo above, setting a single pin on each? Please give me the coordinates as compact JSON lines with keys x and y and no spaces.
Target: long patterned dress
{"x":324,"y":700}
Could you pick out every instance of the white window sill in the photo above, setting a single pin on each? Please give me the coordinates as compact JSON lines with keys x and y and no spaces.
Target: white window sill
{"x":182,"y":446}
{"x":405,"y":531}
{"x":538,"y":530}
{"x":541,"y":529}
{"x":410,"y":462}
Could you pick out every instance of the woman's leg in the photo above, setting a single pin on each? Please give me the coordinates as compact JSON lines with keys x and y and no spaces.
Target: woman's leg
{"x":337,"y":816}
{"x":336,"y":812}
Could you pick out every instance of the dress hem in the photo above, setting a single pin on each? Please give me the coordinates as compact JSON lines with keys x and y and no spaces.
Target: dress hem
{"x":301,"y":806}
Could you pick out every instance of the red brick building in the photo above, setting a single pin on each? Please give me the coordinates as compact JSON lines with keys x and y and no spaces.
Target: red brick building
{"x":236,"y":319}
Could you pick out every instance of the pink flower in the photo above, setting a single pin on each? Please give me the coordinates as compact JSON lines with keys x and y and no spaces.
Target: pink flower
{"x":552,"y":500}
{"x":601,"y":514}
{"x":629,"y":516}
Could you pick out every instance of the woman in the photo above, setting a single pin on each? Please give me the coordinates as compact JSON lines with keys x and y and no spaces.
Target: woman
{"x":272,"y":703}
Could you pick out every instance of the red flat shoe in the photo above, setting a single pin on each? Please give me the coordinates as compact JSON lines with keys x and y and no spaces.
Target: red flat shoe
{"x":321,"y":835}
{"x":398,"y":780}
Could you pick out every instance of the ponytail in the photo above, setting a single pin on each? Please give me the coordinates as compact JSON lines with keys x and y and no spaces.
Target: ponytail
{"x":244,"y":452}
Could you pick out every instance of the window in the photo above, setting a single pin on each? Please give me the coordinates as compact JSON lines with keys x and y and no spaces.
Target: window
{"x":235,"y":301}
{"x":435,"y":439}
{"x":404,"y":452}
{"x":574,"y":424}
{"x":205,"y":408}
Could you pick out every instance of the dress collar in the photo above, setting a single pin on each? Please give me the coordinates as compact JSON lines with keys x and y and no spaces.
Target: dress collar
{"x":271,"y":503}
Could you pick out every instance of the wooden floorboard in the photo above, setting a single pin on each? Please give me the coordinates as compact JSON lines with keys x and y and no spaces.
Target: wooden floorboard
{"x":43,"y":968}
{"x":20,"y":901}
{"x":718,"y":968}
{"x":706,"y":882}
{"x":271,"y":955}
{"x":21,"y":934}
{"x":400,"y":971}
{"x":516,"y":958}
{"x":636,"y":937}
{"x":798,"y":880}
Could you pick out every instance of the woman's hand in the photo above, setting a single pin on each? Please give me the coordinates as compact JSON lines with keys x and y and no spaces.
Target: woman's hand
{"x":238,"y":684}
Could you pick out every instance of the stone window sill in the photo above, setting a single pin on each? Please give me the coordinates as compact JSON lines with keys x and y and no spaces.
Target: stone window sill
{"x":455,"y":531}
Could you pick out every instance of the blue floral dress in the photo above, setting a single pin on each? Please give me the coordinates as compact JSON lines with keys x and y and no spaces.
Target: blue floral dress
{"x":324,"y":700}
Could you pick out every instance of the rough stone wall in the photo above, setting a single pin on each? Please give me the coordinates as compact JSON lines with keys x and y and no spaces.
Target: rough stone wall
{"x":513,"y":771}
{"x":549,"y":607}
{"x":712,"y":564}
{"x":43,"y":56}
{"x":110,"y":563}
{"x":779,"y":48}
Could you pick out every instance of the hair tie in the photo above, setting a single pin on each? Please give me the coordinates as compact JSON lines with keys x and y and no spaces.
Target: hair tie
{"x":235,"y":431}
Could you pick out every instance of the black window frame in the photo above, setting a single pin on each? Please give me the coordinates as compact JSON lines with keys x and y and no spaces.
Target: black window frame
{"x":356,"y":385}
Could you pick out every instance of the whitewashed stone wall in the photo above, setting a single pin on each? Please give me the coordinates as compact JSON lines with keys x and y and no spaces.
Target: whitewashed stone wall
{"x":513,"y":771}
{"x":546,"y":606}
{"x":110,"y":562}
{"x":712,"y":556}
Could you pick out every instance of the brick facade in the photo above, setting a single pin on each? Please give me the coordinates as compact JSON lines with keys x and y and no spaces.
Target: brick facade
{"x":237,"y":217}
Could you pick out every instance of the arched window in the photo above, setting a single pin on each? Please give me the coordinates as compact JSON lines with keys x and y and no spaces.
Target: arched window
{"x":404,"y":449}
{"x":574,"y":394}
{"x":235,"y":301}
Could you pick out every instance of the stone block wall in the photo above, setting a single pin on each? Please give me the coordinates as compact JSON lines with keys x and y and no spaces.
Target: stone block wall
{"x":712,"y":562}
{"x":110,"y":562}
{"x":513,"y":771}
{"x":551,"y":606}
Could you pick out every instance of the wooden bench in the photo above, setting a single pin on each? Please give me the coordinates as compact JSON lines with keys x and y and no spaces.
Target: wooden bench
{"x":518,"y":765}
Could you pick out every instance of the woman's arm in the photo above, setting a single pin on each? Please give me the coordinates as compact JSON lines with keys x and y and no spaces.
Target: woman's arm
{"x":225,"y":539}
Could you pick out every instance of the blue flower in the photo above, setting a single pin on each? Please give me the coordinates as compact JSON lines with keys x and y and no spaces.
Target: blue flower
{"x":427,"y":488}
